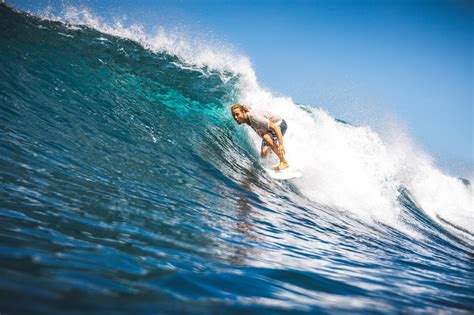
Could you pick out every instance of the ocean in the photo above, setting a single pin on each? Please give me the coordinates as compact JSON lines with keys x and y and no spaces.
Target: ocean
{"x":127,"y":188}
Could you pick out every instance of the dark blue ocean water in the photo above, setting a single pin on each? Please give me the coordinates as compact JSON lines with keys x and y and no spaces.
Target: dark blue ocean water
{"x":126,"y":188}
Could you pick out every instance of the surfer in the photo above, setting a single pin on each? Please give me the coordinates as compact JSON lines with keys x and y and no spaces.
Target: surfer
{"x":269,"y":126}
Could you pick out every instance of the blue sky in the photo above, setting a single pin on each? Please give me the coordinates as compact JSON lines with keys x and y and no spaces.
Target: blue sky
{"x":363,"y":61}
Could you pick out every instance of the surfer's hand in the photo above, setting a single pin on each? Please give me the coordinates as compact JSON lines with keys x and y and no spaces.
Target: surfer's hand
{"x":281,"y":149}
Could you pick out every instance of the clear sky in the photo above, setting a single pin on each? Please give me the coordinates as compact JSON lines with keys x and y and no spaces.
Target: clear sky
{"x":363,"y":61}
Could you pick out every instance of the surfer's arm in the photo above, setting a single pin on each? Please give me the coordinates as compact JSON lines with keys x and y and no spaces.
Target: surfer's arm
{"x":277,"y":130}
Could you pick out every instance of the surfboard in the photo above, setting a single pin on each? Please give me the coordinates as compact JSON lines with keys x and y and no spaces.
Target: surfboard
{"x":287,"y":173}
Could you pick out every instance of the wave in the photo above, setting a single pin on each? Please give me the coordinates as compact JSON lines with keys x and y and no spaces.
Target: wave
{"x":117,"y":139}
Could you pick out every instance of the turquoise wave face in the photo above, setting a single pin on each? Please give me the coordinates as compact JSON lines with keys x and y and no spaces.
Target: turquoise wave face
{"x":127,"y":187}
{"x":104,"y":106}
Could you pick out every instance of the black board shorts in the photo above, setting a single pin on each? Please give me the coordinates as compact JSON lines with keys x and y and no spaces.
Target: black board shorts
{"x":283,"y":127}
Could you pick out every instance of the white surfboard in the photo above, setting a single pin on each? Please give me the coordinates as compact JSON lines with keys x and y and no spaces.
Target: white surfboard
{"x":287,"y":173}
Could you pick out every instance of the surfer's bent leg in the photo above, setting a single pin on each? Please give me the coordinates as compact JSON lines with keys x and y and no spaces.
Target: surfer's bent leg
{"x":265,"y":150}
{"x":269,"y":139}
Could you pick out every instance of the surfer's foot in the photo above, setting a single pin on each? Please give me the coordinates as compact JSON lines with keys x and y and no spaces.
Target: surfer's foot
{"x":281,"y":166}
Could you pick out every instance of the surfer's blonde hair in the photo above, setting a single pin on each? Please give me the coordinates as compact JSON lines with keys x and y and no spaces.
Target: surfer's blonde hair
{"x":243,"y":108}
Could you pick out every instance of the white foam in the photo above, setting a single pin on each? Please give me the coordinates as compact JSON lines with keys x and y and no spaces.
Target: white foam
{"x":352,"y":168}
{"x":344,"y":166}
{"x":195,"y":50}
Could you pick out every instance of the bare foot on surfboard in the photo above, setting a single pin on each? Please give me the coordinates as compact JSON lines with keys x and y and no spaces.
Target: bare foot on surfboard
{"x":281,"y":166}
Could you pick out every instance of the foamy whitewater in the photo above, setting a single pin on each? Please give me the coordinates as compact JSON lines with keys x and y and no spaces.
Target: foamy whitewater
{"x":100,"y":200}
